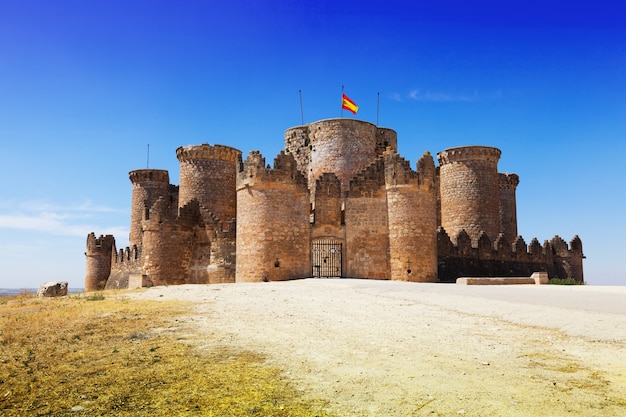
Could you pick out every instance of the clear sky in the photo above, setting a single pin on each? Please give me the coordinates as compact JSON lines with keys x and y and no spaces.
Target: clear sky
{"x":85,"y":86}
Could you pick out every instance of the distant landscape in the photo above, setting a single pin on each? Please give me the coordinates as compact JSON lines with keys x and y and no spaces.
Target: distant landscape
{"x":4,"y":292}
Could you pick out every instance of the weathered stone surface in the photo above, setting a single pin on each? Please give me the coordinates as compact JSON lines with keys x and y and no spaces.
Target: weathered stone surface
{"x":52,"y":289}
{"x":537,"y":278}
{"x":339,"y":186}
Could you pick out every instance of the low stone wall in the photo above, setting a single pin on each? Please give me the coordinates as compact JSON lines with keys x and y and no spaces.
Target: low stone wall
{"x":537,"y":278}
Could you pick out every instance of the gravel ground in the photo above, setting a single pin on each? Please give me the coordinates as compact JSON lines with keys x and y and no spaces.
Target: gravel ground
{"x":381,"y":348}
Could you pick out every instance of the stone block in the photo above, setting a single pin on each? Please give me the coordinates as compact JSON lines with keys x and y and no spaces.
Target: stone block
{"x":52,"y":289}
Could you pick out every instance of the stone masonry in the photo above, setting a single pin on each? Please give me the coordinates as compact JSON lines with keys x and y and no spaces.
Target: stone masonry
{"x":339,"y":201}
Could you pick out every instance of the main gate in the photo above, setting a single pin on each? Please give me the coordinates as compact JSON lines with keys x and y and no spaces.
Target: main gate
{"x":326,"y":257}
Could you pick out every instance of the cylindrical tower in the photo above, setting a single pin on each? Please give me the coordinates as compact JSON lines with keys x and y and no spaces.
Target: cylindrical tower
{"x":273,"y":230}
{"x":148,"y":186}
{"x":411,"y":203}
{"x":470,"y":199}
{"x":167,"y":245}
{"x":508,"y":205}
{"x":340,"y":146}
{"x":99,"y":253}
{"x":209,"y":175}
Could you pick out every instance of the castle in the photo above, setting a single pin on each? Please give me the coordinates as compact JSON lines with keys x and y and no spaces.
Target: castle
{"x":338,"y":202}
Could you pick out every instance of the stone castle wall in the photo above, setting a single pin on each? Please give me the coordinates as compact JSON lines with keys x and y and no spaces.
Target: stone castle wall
{"x":504,"y":258}
{"x":339,"y":201}
{"x":273,"y":232}
{"x":411,"y":203}
{"x":366,"y":224}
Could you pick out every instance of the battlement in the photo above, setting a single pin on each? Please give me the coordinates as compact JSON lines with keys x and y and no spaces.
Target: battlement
{"x":386,"y":138}
{"x":254,"y":172}
{"x":328,"y":183}
{"x":501,"y":248}
{"x":206,"y":151}
{"x":469,"y":153}
{"x":370,"y":180}
{"x":508,"y":181}
{"x":99,"y":245}
{"x":398,"y":170}
{"x":127,"y":255}
{"x":144,"y":175}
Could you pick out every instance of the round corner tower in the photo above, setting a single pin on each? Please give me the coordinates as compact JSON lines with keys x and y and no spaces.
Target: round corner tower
{"x":508,"y":205}
{"x":98,"y":265}
{"x":469,"y":188}
{"x":340,"y":146}
{"x":209,"y":175}
{"x":148,"y":186}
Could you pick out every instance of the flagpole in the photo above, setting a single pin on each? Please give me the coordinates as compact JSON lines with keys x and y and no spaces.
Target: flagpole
{"x":148,"y":158}
{"x":377,"y":107}
{"x":342,"y":101}
{"x":301,"y":113}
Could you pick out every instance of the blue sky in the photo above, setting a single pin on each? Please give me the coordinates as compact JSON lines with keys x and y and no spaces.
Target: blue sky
{"x":85,"y":86}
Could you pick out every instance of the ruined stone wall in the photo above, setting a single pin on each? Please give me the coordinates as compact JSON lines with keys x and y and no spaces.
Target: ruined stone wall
{"x":341,"y":146}
{"x":469,"y":188}
{"x":209,"y":175}
{"x":411,"y":202}
{"x":147,"y":186}
{"x":508,"y":204}
{"x":273,"y":231}
{"x":98,"y":261}
{"x":367,"y":232}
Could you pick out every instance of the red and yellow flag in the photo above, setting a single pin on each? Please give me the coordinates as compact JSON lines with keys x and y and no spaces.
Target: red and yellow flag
{"x":348,"y":104}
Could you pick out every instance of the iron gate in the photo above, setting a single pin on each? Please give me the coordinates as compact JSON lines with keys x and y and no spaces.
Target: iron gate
{"x":326,"y":254}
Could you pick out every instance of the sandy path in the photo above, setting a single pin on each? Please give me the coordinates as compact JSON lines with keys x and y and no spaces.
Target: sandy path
{"x":374,"y":348}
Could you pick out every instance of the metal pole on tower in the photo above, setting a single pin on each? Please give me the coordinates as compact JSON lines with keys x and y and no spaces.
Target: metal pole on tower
{"x":377,"y":107}
{"x":148,"y":158}
{"x":301,"y":112}
{"x":341,"y":107}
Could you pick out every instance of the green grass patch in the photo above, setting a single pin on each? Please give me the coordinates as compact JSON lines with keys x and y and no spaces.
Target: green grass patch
{"x":563,"y":281}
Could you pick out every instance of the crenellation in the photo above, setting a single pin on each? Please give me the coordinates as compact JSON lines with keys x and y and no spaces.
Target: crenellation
{"x":519,"y":248}
{"x":485,"y":247}
{"x":464,"y":244}
{"x":339,"y":201}
{"x":194,"y":153}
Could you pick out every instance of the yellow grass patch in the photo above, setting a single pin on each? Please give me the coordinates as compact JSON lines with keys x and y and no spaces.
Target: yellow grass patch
{"x":96,"y":355}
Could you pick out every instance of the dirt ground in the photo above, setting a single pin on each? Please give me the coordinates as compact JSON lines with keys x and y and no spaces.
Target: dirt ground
{"x":380,"y":348}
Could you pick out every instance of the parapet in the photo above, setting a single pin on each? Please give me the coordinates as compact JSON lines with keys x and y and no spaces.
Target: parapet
{"x":386,"y":138}
{"x":469,"y":153}
{"x":398,"y":170}
{"x":253,"y":171}
{"x":370,"y":180}
{"x":145,"y":175}
{"x":508,"y":181}
{"x":206,"y":151}
{"x":99,"y":245}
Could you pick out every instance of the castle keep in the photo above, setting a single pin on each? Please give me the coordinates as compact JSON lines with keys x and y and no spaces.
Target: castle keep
{"x":339,"y":201}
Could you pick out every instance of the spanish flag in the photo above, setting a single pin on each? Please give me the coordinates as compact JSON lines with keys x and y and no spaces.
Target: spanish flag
{"x":348,"y":104}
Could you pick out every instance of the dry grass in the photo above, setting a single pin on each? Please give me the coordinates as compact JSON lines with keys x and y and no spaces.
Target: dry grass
{"x":102,"y":355}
